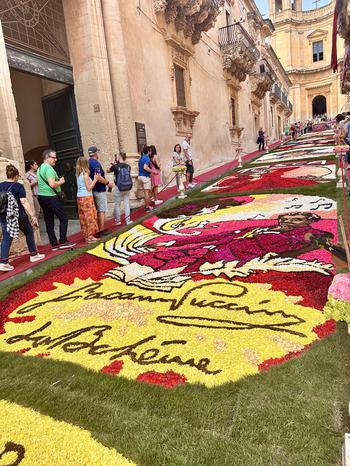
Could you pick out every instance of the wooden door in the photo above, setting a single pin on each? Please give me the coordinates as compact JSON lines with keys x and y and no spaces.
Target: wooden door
{"x":64,"y":137}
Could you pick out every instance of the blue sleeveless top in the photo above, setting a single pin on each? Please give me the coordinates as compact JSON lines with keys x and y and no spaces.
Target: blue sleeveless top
{"x":82,"y":191}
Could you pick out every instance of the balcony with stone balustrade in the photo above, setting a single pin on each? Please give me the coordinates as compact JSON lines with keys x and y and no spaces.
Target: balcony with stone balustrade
{"x":239,"y":51}
{"x":262,"y":79}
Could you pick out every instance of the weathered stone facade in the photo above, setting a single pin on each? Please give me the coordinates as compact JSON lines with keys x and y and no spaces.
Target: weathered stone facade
{"x":295,"y":39}
{"x":171,"y":66}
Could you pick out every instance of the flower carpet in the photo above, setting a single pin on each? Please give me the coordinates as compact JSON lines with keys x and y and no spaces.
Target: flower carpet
{"x":206,"y":292}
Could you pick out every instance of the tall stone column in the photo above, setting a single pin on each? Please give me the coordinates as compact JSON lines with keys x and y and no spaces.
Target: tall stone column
{"x":119,"y":75}
{"x":92,"y":84}
{"x":120,"y":89}
{"x":10,"y":138}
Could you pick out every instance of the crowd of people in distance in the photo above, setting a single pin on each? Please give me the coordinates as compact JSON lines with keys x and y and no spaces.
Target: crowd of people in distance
{"x":16,"y":213}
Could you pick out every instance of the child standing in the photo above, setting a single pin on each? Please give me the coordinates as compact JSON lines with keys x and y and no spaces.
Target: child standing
{"x":156,"y":179}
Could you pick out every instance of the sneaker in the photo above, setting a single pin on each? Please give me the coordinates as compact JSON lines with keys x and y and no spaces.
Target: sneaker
{"x":37,"y":257}
{"x":67,"y":245}
{"x":117,"y":223}
{"x":158,"y":202}
{"x":4,"y":267}
{"x":148,"y":209}
{"x":192,"y":185}
{"x":55,"y":247}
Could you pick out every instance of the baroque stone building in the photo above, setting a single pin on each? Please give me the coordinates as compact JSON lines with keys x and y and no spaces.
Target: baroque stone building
{"x":117,"y":74}
{"x":303,"y":43}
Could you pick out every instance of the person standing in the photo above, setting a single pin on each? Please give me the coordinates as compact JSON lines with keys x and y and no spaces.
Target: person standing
{"x":50,"y":200}
{"x":123,"y":185}
{"x":99,"y":190}
{"x":187,"y":150}
{"x":178,"y":160}
{"x":145,"y":176}
{"x":261,"y":139}
{"x":85,"y":201}
{"x":22,"y":218}
{"x":31,"y":169}
{"x":156,"y":178}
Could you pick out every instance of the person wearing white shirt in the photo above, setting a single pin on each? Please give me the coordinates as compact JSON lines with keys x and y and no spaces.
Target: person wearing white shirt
{"x":187,"y":150}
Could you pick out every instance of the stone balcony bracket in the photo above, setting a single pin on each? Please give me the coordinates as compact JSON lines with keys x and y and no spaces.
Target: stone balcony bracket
{"x":192,"y":17}
{"x":262,"y":83}
{"x":273,"y":98}
{"x":184,"y":120}
{"x":236,"y":132}
{"x":239,"y":60}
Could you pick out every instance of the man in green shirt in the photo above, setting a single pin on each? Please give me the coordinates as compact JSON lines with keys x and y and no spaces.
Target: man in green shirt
{"x":50,"y":201}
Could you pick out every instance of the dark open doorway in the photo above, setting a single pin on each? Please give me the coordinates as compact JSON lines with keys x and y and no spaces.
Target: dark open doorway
{"x":319,"y":105}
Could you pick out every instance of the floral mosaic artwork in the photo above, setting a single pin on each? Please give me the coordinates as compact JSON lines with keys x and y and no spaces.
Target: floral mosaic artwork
{"x":211,"y":295}
{"x":279,"y":175}
{"x":30,"y":438}
{"x":295,"y":154}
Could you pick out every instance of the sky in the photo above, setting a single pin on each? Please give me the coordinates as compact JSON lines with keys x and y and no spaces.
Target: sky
{"x":307,"y":5}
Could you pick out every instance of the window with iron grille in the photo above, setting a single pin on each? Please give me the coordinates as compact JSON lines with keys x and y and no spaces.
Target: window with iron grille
{"x":233,"y":112}
{"x":180,"y":86}
{"x":317,"y":51}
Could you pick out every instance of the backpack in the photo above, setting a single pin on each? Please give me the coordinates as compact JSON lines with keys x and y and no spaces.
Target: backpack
{"x":124,"y":181}
{"x":3,"y":202}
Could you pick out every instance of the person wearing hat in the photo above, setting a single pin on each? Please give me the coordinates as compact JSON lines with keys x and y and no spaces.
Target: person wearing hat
{"x":99,"y":190}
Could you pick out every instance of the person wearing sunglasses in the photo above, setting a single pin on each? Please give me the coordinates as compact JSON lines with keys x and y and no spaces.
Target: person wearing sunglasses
{"x":50,"y":200}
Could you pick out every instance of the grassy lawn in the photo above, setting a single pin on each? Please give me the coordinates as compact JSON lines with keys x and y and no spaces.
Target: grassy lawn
{"x":293,"y":415}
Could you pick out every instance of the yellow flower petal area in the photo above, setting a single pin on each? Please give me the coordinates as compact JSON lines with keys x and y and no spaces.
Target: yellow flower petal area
{"x":29,"y":438}
{"x":211,"y":332}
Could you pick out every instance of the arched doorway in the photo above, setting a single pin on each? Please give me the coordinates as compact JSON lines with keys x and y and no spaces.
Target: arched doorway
{"x":319,"y":105}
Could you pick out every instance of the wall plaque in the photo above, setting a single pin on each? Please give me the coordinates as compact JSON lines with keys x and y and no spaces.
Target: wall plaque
{"x":140,"y":136}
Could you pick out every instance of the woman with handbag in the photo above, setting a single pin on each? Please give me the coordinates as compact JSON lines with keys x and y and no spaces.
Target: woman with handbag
{"x":21,"y":218}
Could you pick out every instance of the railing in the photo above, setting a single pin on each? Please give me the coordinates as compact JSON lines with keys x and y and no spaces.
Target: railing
{"x":233,"y":34}
{"x":284,"y":98}
{"x":277,"y":91}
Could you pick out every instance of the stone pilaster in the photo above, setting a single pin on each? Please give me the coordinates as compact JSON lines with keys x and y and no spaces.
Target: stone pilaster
{"x":10,"y":138}
{"x":119,"y":75}
{"x":92,"y":84}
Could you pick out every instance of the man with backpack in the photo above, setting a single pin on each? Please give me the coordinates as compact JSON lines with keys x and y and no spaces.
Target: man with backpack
{"x":123,"y":185}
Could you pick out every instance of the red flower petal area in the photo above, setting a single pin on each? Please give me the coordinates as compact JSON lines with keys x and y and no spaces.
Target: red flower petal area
{"x":83,"y":267}
{"x":167,"y":379}
{"x":114,"y":368}
{"x":325,"y":329}
{"x":266,"y":365}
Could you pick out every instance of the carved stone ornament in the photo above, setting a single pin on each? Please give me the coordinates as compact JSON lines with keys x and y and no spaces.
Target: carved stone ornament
{"x":236,"y":132}
{"x":184,"y":120}
{"x":273,"y":98}
{"x":262,"y":83}
{"x":190,"y":16}
{"x":239,"y":59}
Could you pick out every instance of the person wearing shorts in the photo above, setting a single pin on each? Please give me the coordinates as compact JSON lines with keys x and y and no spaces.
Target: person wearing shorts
{"x":187,"y":150}
{"x":145,"y":176}
{"x":99,"y":190}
